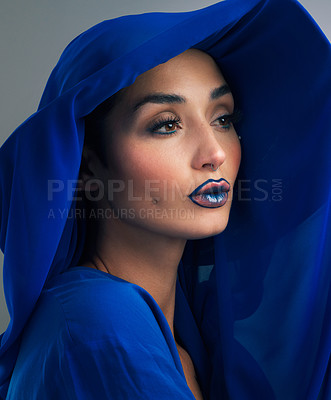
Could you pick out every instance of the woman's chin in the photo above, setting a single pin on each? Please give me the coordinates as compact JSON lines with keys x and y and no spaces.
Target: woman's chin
{"x":202,"y":231}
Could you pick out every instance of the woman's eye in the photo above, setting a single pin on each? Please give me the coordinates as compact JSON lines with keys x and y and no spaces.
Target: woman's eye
{"x":168,"y":127}
{"x":225,"y":121}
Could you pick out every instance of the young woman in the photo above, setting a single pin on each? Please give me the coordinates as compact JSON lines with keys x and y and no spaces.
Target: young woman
{"x":120,"y":277}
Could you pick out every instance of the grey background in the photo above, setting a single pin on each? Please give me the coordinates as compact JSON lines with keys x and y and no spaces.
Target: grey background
{"x":34,"y":33}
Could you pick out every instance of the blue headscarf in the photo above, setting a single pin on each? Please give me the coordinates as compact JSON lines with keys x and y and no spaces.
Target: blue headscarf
{"x":260,"y":291}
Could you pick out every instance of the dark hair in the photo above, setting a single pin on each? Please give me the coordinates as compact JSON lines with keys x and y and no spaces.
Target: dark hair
{"x":94,"y":139}
{"x":95,"y":126}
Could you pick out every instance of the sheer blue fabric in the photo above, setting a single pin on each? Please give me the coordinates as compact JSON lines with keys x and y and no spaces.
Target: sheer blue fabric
{"x":105,"y":338}
{"x":253,"y":303}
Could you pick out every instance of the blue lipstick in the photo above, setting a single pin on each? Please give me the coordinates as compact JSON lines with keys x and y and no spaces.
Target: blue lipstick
{"x":211,"y":194}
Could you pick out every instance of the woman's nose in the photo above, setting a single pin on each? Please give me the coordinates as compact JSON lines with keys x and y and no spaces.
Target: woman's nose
{"x":210,"y":153}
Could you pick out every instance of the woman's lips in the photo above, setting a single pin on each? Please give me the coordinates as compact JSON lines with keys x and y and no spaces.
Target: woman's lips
{"x":211,"y":194}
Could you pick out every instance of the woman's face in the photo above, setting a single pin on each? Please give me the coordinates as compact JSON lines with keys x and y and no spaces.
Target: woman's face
{"x":160,"y":140}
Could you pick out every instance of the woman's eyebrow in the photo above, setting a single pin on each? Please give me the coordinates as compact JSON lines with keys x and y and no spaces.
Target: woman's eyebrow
{"x":160,"y":98}
{"x":164,"y":98}
{"x":219,"y":92}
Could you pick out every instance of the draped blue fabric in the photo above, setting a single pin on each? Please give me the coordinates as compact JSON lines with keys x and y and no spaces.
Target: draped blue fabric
{"x":253,"y":304}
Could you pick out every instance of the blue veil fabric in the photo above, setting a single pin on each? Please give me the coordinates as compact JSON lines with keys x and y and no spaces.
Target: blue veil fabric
{"x":260,"y":291}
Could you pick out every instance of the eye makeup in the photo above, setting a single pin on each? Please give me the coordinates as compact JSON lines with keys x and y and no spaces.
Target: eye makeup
{"x":170,"y":125}
{"x":167,"y":125}
{"x":226,"y":121}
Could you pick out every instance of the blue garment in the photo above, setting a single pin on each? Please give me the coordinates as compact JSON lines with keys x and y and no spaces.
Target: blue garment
{"x":88,"y":334}
{"x":259,"y":293}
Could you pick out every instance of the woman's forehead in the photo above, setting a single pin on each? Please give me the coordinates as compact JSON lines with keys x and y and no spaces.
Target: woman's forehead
{"x":189,"y":71}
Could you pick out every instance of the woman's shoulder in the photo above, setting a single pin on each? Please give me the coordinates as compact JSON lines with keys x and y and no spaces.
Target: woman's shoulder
{"x":89,"y":334}
{"x":91,"y":305}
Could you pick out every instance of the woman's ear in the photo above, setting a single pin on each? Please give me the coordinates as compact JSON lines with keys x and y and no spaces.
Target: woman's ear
{"x":90,"y":171}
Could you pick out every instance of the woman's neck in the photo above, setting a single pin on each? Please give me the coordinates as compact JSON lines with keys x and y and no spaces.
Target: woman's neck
{"x":144,"y":258}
